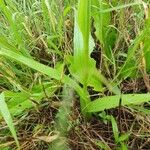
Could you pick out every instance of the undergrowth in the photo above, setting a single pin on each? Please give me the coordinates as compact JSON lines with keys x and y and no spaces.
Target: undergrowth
{"x":74,"y":74}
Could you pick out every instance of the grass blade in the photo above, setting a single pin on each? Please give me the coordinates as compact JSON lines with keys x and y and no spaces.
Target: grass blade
{"x":127,"y":68}
{"x":7,"y":117}
{"x":53,"y":73}
{"x":113,"y":101}
{"x":15,"y":26}
{"x":118,"y":7}
{"x":115,"y":129}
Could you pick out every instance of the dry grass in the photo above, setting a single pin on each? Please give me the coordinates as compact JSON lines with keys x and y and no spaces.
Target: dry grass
{"x":36,"y":129}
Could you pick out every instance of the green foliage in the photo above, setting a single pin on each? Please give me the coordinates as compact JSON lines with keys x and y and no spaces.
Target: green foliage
{"x":19,"y":101}
{"x":53,"y":73}
{"x":129,"y":66}
{"x":102,"y":145}
{"x":34,"y":39}
{"x":105,"y":33}
{"x":115,"y":129}
{"x":15,"y":26}
{"x":108,"y":102}
{"x":81,"y":45}
{"x":85,"y":72}
{"x":7,"y":117}
{"x":120,"y":139}
{"x":101,"y":23}
{"x":146,"y":40}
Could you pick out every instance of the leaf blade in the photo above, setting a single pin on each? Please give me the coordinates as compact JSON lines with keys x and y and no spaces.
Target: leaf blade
{"x":109,"y":102}
{"x":7,"y":117}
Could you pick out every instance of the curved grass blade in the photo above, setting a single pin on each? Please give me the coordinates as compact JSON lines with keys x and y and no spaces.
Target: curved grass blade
{"x":7,"y":117}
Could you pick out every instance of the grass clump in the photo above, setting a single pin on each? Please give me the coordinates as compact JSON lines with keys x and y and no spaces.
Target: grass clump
{"x":74,"y":58}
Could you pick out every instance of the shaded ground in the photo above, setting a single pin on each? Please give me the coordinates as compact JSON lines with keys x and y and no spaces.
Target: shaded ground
{"x":84,"y":135}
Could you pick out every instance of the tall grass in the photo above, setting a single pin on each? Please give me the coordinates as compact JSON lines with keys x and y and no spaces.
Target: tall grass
{"x":31,"y":28}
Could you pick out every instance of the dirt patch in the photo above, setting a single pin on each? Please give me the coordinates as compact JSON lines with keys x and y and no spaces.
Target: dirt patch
{"x":85,"y":135}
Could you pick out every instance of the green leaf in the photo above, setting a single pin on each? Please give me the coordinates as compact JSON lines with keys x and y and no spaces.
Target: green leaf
{"x":109,"y":102}
{"x":115,"y":129}
{"x":129,"y":66}
{"x":145,"y":111}
{"x":101,"y":21}
{"x":105,"y":32}
{"x":102,"y":145}
{"x":79,"y":68}
{"x":81,"y":40}
{"x":117,"y":7}
{"x":124,"y":137}
{"x":52,"y":73}
{"x":83,"y":68}
{"x":146,"y":45}
{"x":124,"y":146}
{"x":5,"y":44}
{"x":83,"y":19}
{"x":109,"y":41}
{"x":19,"y":101}
{"x":48,"y":17}
{"x":7,"y":117}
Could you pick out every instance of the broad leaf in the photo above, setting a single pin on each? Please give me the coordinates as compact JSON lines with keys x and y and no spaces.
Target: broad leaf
{"x":101,"y":20}
{"x":109,"y":102}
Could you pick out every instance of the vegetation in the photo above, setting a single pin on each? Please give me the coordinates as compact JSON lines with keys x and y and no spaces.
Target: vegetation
{"x":72,"y":69}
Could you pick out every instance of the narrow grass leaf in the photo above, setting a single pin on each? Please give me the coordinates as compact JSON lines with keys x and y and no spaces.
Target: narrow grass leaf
{"x":117,"y":7}
{"x":102,"y":145}
{"x":115,"y":129}
{"x":146,"y":45}
{"x":7,"y":117}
